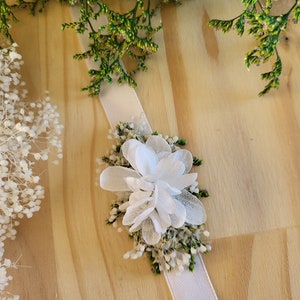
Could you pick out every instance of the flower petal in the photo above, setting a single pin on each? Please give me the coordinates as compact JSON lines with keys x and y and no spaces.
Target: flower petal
{"x":162,"y":217}
{"x":145,"y":160}
{"x":128,"y":149}
{"x":141,"y":157}
{"x":163,"y":200}
{"x":139,"y":197}
{"x":183,"y":181}
{"x":169,"y":189}
{"x":142,"y":217}
{"x":159,"y":145}
{"x":185,"y":157}
{"x":195,"y":211}
{"x":140,"y":206}
{"x":168,"y":168}
{"x":179,"y":217}
{"x":136,"y":215}
{"x":149,"y":234}
{"x":113,"y":178}
{"x":136,"y":184}
{"x":157,"y":222}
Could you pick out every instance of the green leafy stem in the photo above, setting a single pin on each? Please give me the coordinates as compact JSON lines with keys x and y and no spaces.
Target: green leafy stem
{"x":266,"y":30}
{"x":7,"y":15}
{"x":129,"y":37}
{"x":124,"y":36}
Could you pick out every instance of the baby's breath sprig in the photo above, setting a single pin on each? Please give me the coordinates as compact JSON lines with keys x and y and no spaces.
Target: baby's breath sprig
{"x":29,"y":131}
{"x":266,"y":30}
{"x":178,"y":247}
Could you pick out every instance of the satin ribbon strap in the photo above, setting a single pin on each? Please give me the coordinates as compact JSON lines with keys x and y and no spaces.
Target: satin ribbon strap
{"x":194,"y":285}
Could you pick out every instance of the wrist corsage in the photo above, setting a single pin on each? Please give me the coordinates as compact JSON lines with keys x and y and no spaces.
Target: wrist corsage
{"x":158,"y":198}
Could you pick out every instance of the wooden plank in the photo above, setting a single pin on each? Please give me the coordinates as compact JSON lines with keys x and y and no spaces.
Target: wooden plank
{"x":198,"y":87}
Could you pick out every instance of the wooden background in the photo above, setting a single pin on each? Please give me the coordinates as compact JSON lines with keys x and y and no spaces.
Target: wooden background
{"x":198,"y":87}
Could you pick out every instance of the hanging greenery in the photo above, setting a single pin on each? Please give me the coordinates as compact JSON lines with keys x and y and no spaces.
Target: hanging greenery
{"x":130,"y":35}
{"x":258,"y":21}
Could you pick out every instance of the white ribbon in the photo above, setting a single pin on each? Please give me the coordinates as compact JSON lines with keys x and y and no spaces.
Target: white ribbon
{"x":120,"y":103}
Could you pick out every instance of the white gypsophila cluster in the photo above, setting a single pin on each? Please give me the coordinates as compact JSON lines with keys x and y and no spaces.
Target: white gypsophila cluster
{"x":28,"y":132}
{"x":4,"y":277}
{"x":169,"y":254}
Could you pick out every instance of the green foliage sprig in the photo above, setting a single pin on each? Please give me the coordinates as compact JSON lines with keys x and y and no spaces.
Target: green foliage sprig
{"x":7,"y":16}
{"x":123,"y":35}
{"x":266,"y":30}
{"x":129,"y":36}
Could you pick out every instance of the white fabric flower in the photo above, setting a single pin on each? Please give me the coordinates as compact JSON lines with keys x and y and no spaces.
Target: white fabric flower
{"x":156,"y":183}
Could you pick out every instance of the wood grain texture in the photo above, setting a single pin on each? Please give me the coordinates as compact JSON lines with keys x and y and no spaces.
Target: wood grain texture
{"x":197,"y":87}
